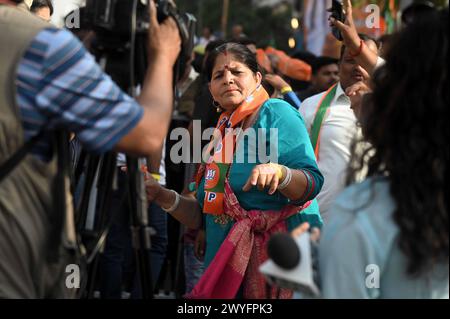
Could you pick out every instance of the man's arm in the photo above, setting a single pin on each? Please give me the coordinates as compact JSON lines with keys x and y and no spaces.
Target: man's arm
{"x":157,"y":91}
{"x":154,"y":161}
{"x":365,"y":57}
{"x":284,"y":88}
{"x":60,"y":85}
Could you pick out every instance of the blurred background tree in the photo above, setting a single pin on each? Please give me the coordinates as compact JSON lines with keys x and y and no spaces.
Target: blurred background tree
{"x":266,"y":25}
{"x":271,"y":25}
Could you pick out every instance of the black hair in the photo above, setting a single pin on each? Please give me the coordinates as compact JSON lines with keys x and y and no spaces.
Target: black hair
{"x":246,"y":41}
{"x":38,"y":4}
{"x":322,"y":61}
{"x":407,"y":128}
{"x":305,"y":56}
{"x":384,"y":38}
{"x":363,"y":37}
{"x":240,"y":52}
{"x":213,"y":44}
{"x":417,"y":10}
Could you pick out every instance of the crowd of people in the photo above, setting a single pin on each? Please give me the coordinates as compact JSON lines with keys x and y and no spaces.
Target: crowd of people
{"x":360,"y":157}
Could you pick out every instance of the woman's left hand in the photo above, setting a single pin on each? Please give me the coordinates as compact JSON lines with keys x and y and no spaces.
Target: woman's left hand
{"x":265,"y":175}
{"x":152,"y":187}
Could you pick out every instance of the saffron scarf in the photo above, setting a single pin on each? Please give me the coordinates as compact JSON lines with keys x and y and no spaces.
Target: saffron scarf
{"x":223,"y":145}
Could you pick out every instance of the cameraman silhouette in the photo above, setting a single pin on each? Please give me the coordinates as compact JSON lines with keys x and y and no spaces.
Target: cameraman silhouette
{"x":48,"y":82}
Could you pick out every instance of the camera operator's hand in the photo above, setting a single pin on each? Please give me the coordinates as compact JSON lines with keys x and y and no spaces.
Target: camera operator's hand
{"x":164,"y":39}
{"x":157,"y":94}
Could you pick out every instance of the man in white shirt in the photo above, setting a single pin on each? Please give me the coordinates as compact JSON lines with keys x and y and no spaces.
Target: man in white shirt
{"x":338,"y":128}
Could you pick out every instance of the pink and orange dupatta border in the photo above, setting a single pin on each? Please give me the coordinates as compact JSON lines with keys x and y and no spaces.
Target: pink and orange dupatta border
{"x":243,"y":251}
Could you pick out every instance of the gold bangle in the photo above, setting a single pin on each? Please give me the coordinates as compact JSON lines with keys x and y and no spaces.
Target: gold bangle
{"x":278,"y":168}
{"x":287,"y":180}
{"x":286,"y":89}
{"x":157,"y":177}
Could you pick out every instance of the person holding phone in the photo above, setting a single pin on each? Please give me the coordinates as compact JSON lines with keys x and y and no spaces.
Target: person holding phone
{"x":388,"y":236}
{"x":332,"y":125}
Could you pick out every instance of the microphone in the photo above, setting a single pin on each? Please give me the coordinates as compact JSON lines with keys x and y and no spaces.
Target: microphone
{"x":292,"y":264}
{"x":283,"y":250}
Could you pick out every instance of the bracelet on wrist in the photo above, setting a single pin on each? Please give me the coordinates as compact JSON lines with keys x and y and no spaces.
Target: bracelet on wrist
{"x":354,"y":55}
{"x":278,"y":168}
{"x":286,"y":89}
{"x":287,"y":179}
{"x":174,"y":206}
{"x":156,"y":176}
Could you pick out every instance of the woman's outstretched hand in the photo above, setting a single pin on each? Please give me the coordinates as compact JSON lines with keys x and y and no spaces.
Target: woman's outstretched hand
{"x":265,"y":175}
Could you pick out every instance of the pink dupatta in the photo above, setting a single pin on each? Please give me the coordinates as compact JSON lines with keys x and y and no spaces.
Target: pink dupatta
{"x":243,"y":251}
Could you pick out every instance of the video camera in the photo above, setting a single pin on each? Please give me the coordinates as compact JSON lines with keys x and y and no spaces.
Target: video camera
{"x":120,"y":46}
{"x":122,"y":25}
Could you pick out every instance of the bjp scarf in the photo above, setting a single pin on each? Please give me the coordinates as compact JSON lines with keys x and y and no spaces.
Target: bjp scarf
{"x":236,"y":263}
{"x":223,"y":147}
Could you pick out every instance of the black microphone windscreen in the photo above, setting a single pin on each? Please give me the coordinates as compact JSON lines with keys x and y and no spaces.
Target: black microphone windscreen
{"x":283,"y":250}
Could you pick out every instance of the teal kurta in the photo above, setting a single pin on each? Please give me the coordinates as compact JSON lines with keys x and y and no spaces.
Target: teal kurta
{"x":293,"y":150}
